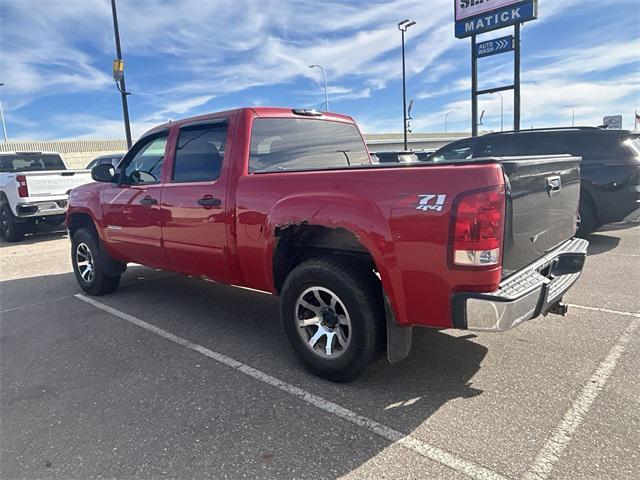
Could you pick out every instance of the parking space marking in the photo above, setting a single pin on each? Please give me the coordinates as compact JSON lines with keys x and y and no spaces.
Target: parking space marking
{"x":435,"y":454}
{"x":34,"y":304}
{"x":606,"y":310}
{"x":562,"y":435}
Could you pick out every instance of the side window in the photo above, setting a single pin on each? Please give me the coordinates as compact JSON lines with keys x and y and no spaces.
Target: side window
{"x":457,"y":151}
{"x":199,"y":153}
{"x":146,"y":165}
{"x":281,"y":144}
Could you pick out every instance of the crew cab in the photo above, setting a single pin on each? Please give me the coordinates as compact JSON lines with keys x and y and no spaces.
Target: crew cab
{"x":34,"y":188}
{"x":289,"y":202}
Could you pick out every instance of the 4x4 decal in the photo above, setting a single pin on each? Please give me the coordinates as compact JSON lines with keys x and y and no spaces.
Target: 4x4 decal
{"x":426,"y":202}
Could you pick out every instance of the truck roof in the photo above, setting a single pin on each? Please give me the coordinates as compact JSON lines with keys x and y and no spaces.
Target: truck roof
{"x":280,"y":112}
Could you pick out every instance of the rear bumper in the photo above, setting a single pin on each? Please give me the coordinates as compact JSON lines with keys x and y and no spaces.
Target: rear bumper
{"x":526,"y":294}
{"x":43,"y":208}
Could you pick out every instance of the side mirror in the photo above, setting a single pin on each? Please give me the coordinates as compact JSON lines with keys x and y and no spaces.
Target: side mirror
{"x":104,"y":172}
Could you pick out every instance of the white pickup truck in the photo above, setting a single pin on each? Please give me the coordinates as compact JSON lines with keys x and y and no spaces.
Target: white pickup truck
{"x":34,"y":188}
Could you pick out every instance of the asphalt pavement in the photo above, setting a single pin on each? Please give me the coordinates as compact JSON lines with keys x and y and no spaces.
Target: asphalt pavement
{"x":175,"y":377}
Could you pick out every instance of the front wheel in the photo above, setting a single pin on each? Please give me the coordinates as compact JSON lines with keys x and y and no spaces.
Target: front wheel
{"x":88,"y":264}
{"x":333,"y":315}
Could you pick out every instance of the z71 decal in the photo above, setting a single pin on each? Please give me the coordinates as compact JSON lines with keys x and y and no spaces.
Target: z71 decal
{"x":433,"y":202}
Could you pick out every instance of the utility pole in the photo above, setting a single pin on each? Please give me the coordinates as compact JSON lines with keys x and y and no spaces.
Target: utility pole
{"x":403,"y":26}
{"x":446,"y":121}
{"x":4,"y":126}
{"x":326,"y":95}
{"x":118,"y":75}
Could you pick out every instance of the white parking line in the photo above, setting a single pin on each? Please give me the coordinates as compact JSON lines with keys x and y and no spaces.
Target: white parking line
{"x":562,"y":435}
{"x":443,"y":457}
{"x":606,"y":310}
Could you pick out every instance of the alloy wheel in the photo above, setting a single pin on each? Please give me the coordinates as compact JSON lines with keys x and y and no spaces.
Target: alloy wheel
{"x":323,"y":322}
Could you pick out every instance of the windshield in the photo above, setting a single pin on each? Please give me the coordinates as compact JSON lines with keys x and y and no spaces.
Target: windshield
{"x":30,"y":162}
{"x":634,"y":144}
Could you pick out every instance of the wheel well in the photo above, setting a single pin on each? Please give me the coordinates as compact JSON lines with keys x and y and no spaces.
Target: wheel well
{"x":297,"y":243}
{"x":586,"y":195}
{"x":78,"y":221}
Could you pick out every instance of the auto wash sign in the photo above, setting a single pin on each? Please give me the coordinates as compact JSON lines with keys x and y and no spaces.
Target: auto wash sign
{"x":479,"y":16}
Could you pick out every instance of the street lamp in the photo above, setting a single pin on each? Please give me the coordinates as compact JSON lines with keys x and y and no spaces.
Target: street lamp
{"x":573,"y":115}
{"x":326,"y":96}
{"x":118,"y":75}
{"x":403,"y":26}
{"x":446,"y":121}
{"x":4,"y":127}
{"x":501,"y":110}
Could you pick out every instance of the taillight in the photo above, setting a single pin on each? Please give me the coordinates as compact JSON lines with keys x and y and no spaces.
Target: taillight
{"x":23,"y":190}
{"x":478,"y":228}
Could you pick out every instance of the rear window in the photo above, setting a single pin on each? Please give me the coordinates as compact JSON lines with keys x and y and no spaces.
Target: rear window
{"x":30,"y":162}
{"x":281,"y":144}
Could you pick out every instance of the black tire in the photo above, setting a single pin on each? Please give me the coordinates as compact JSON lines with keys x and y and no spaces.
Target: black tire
{"x":10,"y":229}
{"x":359,"y":299}
{"x":98,"y":283}
{"x":587,"y":219}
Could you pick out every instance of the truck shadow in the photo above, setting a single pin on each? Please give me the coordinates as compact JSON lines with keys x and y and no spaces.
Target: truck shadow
{"x":43,"y":233}
{"x":245,"y":325}
{"x":600,"y":243}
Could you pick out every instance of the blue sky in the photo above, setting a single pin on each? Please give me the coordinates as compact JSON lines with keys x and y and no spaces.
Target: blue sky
{"x":193,"y":56}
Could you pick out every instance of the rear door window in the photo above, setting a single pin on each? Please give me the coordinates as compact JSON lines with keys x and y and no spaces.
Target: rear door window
{"x":511,"y":145}
{"x":282,"y":144}
{"x":199,"y":153}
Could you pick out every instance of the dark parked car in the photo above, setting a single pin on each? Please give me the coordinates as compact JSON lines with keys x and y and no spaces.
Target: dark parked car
{"x":610,"y":185}
{"x":110,"y":158}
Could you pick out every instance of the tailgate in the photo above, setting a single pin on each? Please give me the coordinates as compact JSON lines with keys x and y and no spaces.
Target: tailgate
{"x":542,"y":204}
{"x":41,"y":184}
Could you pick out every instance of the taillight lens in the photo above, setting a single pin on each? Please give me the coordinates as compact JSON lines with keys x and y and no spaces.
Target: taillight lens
{"x":23,"y":190}
{"x":479,"y":228}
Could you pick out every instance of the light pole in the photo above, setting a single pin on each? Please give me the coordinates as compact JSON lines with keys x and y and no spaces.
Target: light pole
{"x":326,"y":95}
{"x":118,"y":75}
{"x":446,"y":121}
{"x":573,"y":115}
{"x":403,"y":26}
{"x":501,"y":111}
{"x":4,"y":126}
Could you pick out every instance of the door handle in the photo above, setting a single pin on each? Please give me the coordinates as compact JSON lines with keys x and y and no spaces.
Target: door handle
{"x":209,"y":202}
{"x":149,"y":201}
{"x":554,"y":184}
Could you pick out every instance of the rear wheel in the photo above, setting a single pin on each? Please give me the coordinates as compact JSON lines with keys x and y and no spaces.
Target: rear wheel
{"x":333,"y":315}
{"x":88,"y":264}
{"x":587,"y":218}
{"x":10,"y":229}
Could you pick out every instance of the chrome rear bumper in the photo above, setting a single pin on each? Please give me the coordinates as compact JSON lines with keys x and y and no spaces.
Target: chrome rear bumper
{"x":535,"y":290}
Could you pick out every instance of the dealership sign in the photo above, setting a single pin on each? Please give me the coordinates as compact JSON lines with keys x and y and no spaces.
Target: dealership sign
{"x":612,"y":122}
{"x":479,"y":16}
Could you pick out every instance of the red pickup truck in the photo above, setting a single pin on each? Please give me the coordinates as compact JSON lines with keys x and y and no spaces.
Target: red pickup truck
{"x":289,"y":202}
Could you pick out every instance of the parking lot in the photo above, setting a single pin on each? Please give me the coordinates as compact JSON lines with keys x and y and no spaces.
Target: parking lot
{"x":175,"y":377}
